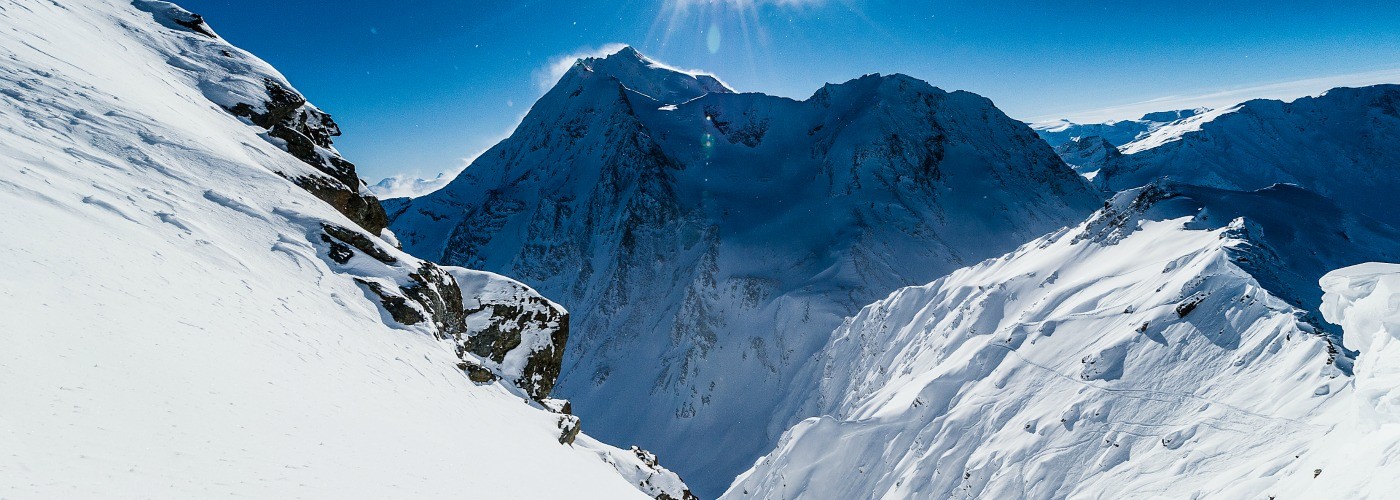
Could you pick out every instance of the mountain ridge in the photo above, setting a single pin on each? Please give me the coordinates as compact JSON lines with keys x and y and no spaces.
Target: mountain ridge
{"x":711,"y":232}
{"x":1140,"y":339}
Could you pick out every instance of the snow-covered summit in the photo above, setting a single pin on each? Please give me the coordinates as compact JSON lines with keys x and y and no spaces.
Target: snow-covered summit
{"x":708,"y":243}
{"x":658,"y":81}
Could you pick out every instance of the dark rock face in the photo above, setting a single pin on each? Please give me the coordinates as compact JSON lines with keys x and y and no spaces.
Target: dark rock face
{"x":394,"y":303}
{"x":306,"y":133}
{"x":478,"y":373}
{"x":363,"y":209}
{"x":175,"y":17}
{"x":355,"y":239}
{"x":438,"y":293}
{"x":568,"y":429}
{"x":1087,"y":154}
{"x":522,"y":333}
{"x":195,"y":23}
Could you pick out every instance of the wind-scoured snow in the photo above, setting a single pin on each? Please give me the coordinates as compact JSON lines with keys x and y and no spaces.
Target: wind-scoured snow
{"x":707,"y":242}
{"x":180,"y":324}
{"x":1134,"y":356}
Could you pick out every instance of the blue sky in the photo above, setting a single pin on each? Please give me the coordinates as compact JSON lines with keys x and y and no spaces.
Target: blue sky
{"x":419,"y":85}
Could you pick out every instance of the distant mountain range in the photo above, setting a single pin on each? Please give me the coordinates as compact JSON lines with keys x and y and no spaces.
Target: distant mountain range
{"x":884,"y":290}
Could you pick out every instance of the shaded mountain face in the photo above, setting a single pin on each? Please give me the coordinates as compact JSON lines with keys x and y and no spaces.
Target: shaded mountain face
{"x":1170,"y":343}
{"x":1116,"y":133}
{"x":707,"y":242}
{"x":207,"y":304}
{"x":1087,"y":155}
{"x":1340,"y":145}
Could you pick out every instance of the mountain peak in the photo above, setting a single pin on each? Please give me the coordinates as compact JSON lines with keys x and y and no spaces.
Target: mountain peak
{"x":646,"y":76}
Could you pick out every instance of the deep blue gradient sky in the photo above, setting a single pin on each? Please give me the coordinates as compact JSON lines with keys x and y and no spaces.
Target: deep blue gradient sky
{"x":419,"y":85}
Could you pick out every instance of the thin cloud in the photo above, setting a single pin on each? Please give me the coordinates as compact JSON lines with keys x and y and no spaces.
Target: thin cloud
{"x":413,"y":185}
{"x":1287,"y":90}
{"x":546,"y":76}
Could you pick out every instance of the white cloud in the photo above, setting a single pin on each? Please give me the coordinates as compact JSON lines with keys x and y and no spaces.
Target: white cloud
{"x":1287,"y":90}
{"x":547,"y":76}
{"x":402,"y":186}
{"x":413,"y":185}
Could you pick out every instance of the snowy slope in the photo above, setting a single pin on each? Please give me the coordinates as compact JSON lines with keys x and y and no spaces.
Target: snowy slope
{"x":1363,"y":459}
{"x":1117,"y":133}
{"x":1340,"y":145}
{"x":191,"y":310}
{"x":707,"y":242}
{"x":1138,"y":355}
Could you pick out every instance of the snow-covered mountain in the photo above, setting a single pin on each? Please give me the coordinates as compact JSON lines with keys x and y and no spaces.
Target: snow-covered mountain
{"x":1340,"y":144}
{"x":707,"y":241}
{"x":1117,"y":132}
{"x":1087,"y":155}
{"x":1166,"y":347}
{"x":200,"y":299}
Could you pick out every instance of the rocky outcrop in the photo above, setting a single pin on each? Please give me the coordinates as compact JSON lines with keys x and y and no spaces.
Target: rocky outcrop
{"x":520,"y":334}
{"x":306,"y":133}
{"x":502,"y":330}
{"x":250,"y":90}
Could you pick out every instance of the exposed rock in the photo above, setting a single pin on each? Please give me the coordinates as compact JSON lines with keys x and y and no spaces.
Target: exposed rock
{"x":306,"y":133}
{"x":558,"y":405}
{"x":1087,"y":154}
{"x":650,"y":462}
{"x":394,"y":303}
{"x":195,"y":23}
{"x":1189,"y":305}
{"x":477,"y":373}
{"x":438,"y":293}
{"x":363,"y":209}
{"x":513,"y":326}
{"x":568,"y":429}
{"x":175,"y":17}
{"x":358,"y":240}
